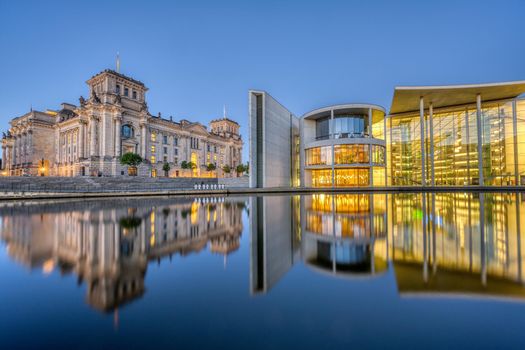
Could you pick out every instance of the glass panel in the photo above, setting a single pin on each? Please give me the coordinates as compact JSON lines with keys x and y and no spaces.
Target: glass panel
{"x":319,"y":156}
{"x":520,"y":109}
{"x":322,"y":178}
{"x":352,"y":177}
{"x":351,"y":154}
{"x":322,"y":128}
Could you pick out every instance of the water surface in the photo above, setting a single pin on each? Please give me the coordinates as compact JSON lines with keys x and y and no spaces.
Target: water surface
{"x":319,"y":271}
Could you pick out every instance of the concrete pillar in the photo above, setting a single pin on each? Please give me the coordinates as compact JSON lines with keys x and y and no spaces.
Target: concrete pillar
{"x":331,"y":132}
{"x":480,"y":139}
{"x":117,"y":135}
{"x":370,"y":122}
{"x":515,"y":141}
{"x":431,"y":136}
{"x":422,"y":132}
{"x":386,"y":153}
{"x":467,"y":131}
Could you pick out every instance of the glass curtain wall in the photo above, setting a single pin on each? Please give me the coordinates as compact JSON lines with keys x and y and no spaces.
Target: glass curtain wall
{"x":520,"y":136}
{"x":455,"y":138}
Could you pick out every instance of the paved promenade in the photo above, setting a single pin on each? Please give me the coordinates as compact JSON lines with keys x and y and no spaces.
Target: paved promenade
{"x":190,"y":192}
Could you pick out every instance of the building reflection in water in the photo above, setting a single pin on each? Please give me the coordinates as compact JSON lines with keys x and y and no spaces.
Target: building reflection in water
{"x":434,"y":243}
{"x":108,"y":244}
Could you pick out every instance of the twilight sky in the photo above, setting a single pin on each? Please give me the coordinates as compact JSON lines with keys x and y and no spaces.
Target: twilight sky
{"x":195,"y":56}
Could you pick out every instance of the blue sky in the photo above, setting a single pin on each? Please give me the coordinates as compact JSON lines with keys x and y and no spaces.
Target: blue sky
{"x":195,"y":56}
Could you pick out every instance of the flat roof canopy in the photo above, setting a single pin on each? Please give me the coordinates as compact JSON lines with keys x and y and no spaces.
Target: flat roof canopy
{"x":406,"y":98}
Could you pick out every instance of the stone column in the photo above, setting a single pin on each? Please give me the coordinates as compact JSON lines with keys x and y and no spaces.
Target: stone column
{"x":118,"y":123}
{"x":92,"y":140}
{"x":3,"y":157}
{"x":80,"y":140}
{"x":143,"y":140}
{"x":103,"y":139}
{"x":14,"y":150}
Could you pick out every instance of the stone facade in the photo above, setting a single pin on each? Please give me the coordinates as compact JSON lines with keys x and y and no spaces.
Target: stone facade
{"x":87,"y":140}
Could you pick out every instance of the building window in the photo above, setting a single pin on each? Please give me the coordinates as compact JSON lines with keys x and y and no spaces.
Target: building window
{"x":322,"y":128}
{"x":208,"y":148}
{"x":153,"y":159}
{"x":165,"y":150}
{"x":165,"y":158}
{"x":194,"y":143}
{"x":153,"y":136}
{"x":165,"y":139}
{"x":117,"y":89}
{"x":349,"y":126}
{"x":351,"y":154}
{"x":319,"y":156}
{"x":126,"y":91}
{"x":134,"y":95}
{"x":153,"y":172}
{"x":176,"y":151}
{"x":175,"y":141}
{"x":215,"y":149}
{"x":127,"y":131}
{"x":176,"y":161}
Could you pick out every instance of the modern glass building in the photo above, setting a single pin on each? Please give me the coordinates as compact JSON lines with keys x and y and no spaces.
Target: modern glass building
{"x":465,"y":135}
{"x":343,"y":146}
{"x":457,"y":135}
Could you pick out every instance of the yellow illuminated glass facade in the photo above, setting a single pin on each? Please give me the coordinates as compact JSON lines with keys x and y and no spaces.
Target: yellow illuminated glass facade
{"x":319,"y":156}
{"x":351,"y":154}
{"x":454,"y":159}
{"x":346,"y":215}
{"x":352,"y":177}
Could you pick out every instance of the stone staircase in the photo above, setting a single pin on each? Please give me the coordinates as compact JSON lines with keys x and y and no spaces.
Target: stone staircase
{"x":99,"y":184}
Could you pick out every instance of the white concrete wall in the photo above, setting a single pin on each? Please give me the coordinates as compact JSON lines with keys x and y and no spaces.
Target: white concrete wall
{"x":277,"y":143}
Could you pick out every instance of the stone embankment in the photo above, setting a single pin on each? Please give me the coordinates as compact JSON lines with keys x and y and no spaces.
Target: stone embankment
{"x":37,"y":187}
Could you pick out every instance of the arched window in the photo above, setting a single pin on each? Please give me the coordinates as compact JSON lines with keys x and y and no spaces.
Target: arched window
{"x":127,"y":131}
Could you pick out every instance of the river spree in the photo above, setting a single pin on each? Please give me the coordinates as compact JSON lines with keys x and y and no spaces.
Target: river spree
{"x":315,"y":271}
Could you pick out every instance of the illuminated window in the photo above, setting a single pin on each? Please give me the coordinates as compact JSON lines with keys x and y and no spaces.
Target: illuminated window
{"x":153,"y":136}
{"x":153,"y":148}
{"x":322,"y":178}
{"x":153,"y":160}
{"x":319,"y":156}
{"x":351,"y":154}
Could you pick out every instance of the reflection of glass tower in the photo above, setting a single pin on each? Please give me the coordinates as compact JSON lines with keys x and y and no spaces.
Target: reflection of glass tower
{"x":108,"y":243}
{"x":342,"y":231}
{"x":458,"y":243}
{"x":343,"y":235}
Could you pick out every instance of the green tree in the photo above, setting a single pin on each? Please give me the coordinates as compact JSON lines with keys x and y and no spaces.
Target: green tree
{"x":240,"y":169}
{"x":184,"y":164}
{"x":227,"y":169}
{"x":211,"y":167}
{"x":132,"y":160}
{"x":166,"y":167}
